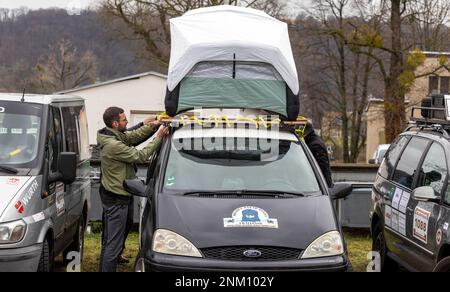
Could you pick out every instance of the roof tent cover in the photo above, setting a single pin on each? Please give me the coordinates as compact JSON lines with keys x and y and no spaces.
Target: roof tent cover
{"x":258,"y":47}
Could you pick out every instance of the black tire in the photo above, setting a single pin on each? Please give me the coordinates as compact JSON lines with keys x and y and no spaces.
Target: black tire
{"x":77,"y":244}
{"x":46,"y":262}
{"x":443,"y":266}
{"x":379,"y":245}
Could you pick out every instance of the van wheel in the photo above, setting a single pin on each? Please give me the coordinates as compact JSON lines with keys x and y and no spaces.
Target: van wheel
{"x":77,"y":244}
{"x":443,"y":266}
{"x":379,"y":245}
{"x":46,"y":261}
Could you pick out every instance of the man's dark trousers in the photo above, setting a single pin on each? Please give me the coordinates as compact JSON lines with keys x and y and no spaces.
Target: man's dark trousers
{"x":115,"y":212}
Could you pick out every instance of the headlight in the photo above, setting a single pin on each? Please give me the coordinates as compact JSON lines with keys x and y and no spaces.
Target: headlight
{"x":168,"y":242}
{"x":12,"y":232}
{"x":329,"y":244}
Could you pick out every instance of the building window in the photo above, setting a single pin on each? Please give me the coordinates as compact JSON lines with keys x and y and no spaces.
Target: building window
{"x":445,"y":85}
{"x":433,"y":84}
{"x":438,"y":85}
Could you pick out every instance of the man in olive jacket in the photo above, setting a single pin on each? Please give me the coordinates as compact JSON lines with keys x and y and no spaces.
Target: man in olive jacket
{"x":118,"y":158}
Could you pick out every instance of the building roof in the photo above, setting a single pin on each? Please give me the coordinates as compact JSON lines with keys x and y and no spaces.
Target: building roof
{"x":127,"y":78}
{"x":435,"y":54}
{"x":39,"y":98}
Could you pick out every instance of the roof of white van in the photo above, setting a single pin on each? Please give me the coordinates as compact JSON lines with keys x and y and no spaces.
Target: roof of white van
{"x":39,"y":98}
{"x":262,"y":133}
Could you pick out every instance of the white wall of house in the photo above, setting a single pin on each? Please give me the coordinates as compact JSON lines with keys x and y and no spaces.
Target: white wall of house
{"x":136,"y":95}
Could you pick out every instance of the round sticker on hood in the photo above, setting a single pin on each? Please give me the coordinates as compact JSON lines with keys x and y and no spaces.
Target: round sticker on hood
{"x":250,"y":216}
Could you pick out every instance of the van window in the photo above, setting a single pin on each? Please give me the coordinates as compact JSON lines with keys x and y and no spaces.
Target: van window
{"x":20,"y":125}
{"x":55,"y":138}
{"x":447,"y":195}
{"x":388,"y":164}
{"x":83,"y":135}
{"x":409,"y":162}
{"x":433,"y":171}
{"x":239,"y":169}
{"x":71,"y":118}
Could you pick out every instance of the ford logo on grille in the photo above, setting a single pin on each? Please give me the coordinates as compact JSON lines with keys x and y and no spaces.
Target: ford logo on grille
{"x":252,"y":253}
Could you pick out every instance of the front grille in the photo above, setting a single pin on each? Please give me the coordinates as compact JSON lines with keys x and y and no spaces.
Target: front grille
{"x":236,"y":253}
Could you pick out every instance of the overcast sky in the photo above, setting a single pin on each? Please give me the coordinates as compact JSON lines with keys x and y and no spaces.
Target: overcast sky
{"x":36,"y":4}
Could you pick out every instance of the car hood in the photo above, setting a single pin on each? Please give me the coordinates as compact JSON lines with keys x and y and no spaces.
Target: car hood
{"x":10,"y":186}
{"x":209,"y":222}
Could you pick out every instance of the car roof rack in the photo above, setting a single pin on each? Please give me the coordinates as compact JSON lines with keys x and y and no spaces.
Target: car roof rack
{"x":212,"y":121}
{"x":435,"y":124}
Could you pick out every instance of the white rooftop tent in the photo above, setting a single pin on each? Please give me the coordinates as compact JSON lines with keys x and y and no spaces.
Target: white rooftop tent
{"x":218,"y":33}
{"x":231,"y":57}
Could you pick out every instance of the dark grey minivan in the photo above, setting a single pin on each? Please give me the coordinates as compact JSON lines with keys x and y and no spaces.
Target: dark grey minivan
{"x":237,"y":208}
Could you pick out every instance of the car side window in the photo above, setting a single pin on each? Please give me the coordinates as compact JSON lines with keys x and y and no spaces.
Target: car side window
{"x":447,"y":196}
{"x":433,"y":171}
{"x":409,"y":162}
{"x":54,"y":139}
{"x":70,"y":117}
{"x":388,"y":164}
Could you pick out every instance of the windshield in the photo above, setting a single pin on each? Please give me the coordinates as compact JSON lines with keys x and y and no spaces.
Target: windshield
{"x":19,"y":133}
{"x":288,"y":170}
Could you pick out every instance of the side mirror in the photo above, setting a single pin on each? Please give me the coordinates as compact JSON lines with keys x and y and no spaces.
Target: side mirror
{"x":341,"y":190}
{"x":425,"y":194}
{"x":372,"y":161}
{"x":67,"y":168}
{"x":136,"y":187}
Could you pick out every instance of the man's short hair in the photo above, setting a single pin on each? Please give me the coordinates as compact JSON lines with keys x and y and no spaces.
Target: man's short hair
{"x":112,"y":115}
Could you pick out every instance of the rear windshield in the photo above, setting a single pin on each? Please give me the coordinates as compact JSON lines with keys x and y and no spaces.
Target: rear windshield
{"x":20,"y":125}
{"x":283,"y":168}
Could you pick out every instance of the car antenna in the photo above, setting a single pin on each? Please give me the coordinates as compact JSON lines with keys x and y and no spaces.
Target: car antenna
{"x":23,"y":95}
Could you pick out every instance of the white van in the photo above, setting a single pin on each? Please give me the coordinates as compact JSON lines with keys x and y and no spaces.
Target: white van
{"x":44,"y":178}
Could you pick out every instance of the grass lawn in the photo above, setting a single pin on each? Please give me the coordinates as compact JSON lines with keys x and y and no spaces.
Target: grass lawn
{"x":359,"y":245}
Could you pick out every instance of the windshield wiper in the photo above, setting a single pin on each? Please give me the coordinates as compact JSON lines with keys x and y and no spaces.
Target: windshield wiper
{"x":5,"y":168}
{"x":248,"y":192}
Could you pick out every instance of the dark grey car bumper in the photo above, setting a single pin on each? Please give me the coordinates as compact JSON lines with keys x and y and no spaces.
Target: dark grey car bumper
{"x":168,"y":263}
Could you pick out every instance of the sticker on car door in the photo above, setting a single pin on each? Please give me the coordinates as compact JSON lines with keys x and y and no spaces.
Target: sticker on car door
{"x":60,"y":204}
{"x":421,"y":219}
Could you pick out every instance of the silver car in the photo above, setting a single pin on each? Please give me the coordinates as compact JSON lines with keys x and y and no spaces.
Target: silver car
{"x":44,"y":181}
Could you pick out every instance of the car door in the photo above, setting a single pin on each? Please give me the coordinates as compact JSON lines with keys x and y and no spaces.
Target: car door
{"x":400,"y":190}
{"x":74,"y":191}
{"x":57,"y":189}
{"x":423,"y":217}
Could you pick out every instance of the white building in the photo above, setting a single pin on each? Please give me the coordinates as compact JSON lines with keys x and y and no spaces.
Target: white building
{"x":139,"y":95}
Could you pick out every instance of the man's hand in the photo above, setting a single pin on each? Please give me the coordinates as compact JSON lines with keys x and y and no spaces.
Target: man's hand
{"x":162,"y":132}
{"x":152,"y":120}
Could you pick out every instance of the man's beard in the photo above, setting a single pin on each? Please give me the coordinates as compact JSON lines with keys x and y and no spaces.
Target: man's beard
{"x":122,"y":130}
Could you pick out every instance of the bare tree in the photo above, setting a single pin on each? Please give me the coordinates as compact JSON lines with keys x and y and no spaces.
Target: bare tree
{"x":428,"y":21}
{"x":399,"y":73}
{"x":64,"y":69}
{"x":148,"y":20}
{"x":344,"y":74}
